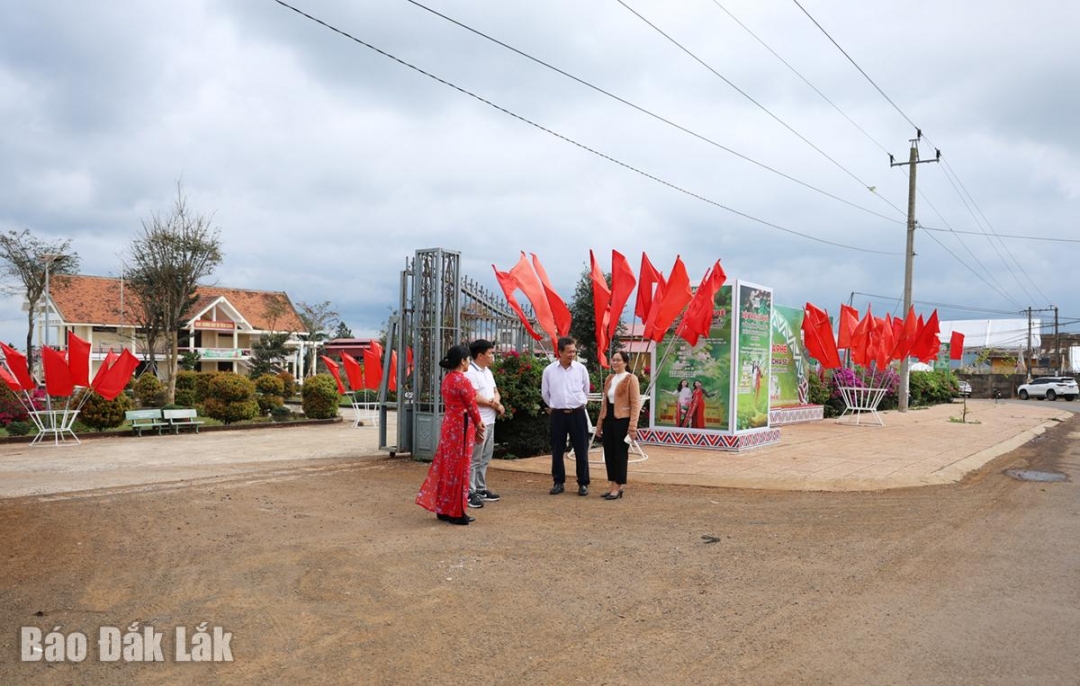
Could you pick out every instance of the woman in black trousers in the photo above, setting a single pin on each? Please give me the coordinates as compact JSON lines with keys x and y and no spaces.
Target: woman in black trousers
{"x":620,"y":406}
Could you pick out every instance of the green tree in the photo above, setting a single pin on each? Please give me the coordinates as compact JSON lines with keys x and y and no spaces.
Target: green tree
{"x":100,"y":414}
{"x":319,"y":397}
{"x":343,"y":331}
{"x":583,"y":327}
{"x":268,"y":354}
{"x":24,"y":257}
{"x":319,"y":320}
{"x":170,"y":257}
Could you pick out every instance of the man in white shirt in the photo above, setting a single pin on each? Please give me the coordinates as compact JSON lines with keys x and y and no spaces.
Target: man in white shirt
{"x":487,"y":398}
{"x":565,"y":390}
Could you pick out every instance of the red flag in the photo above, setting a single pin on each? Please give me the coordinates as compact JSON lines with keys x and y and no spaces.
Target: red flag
{"x":818,"y":337}
{"x":10,"y":380}
{"x":111,"y":383}
{"x":559,"y":310}
{"x":849,"y":319}
{"x":676,"y":296}
{"x":699,"y":313}
{"x":907,"y":336}
{"x":352,"y":372}
{"x":956,"y":346}
{"x":57,"y":377}
{"x":393,"y":371}
{"x":372,"y":366}
{"x":601,"y":302}
{"x":334,"y":372}
{"x":534,"y":290}
{"x":860,"y":338}
{"x":78,"y":360}
{"x":16,"y":362}
{"x":622,"y":285}
{"x":109,"y":361}
{"x":926,"y":344}
{"x":508,"y":284}
{"x":649,"y":278}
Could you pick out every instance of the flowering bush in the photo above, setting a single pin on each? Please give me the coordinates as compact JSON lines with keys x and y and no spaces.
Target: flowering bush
{"x":523,"y":430}
{"x":11,"y":409}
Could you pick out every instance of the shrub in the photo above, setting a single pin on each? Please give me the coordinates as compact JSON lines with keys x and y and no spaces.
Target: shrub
{"x":523,"y":430}
{"x":269,"y":389}
{"x":149,"y":390}
{"x":320,"y":397}
{"x":11,"y":408}
{"x":281,"y":413}
{"x":819,"y":393}
{"x":19,"y":428}
{"x":202,"y":382}
{"x":290,"y":384}
{"x":186,"y":388}
{"x":100,"y":414}
{"x":230,"y":398}
{"x":932,"y":388}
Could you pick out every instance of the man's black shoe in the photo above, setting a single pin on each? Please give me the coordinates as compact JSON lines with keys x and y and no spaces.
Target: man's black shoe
{"x":583,"y":490}
{"x":556,"y":489}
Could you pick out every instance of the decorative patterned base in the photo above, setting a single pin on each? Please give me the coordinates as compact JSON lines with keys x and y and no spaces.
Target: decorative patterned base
{"x":796,"y":414}
{"x":712,"y":440}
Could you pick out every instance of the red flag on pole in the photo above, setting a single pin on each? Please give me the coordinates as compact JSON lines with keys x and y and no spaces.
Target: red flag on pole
{"x":860,"y":338}
{"x":353,"y":372}
{"x":78,"y":360}
{"x":111,"y":383}
{"x":676,"y":296}
{"x":10,"y":380}
{"x":927,"y":344}
{"x":508,"y":284}
{"x":334,"y":372}
{"x":530,"y":285}
{"x":956,"y":346}
{"x":57,"y":377}
{"x":106,"y":364}
{"x":849,"y":319}
{"x":818,"y":337}
{"x":372,"y":366}
{"x":17,"y":364}
{"x":649,"y":277}
{"x":699,"y":313}
{"x":622,"y":285}
{"x":601,"y":302}
{"x":559,"y":310}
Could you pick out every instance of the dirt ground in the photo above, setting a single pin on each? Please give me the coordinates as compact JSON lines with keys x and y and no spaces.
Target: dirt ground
{"x":330,"y":574}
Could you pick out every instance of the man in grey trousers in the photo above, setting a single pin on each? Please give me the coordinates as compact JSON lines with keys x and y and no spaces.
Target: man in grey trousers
{"x":487,"y":398}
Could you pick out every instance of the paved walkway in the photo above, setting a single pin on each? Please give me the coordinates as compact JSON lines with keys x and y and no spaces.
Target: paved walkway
{"x":920,"y":447}
{"x":917,"y":448}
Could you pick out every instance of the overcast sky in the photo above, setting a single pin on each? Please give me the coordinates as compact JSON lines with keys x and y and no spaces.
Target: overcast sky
{"x":326,"y":164}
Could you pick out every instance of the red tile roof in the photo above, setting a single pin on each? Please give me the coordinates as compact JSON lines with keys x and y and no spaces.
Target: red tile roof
{"x":95,"y":300}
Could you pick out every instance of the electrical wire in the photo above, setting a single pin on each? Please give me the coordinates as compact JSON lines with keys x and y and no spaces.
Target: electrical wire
{"x":576,"y":143}
{"x":804,"y":79}
{"x":764,"y":109}
{"x":646,"y":111}
{"x":1003,"y":235}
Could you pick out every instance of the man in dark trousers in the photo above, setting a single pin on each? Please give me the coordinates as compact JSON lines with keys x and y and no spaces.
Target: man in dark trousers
{"x":565,"y":390}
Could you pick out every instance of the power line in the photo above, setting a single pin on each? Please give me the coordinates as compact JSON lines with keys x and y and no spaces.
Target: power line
{"x":804,"y":79}
{"x":574,"y":142}
{"x":977,"y":274}
{"x":1002,"y":235}
{"x":856,"y":64}
{"x":921,"y":135}
{"x":645,"y":111}
{"x":758,"y":104}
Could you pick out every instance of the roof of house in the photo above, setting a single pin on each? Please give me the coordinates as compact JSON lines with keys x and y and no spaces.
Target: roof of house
{"x":81,"y":299}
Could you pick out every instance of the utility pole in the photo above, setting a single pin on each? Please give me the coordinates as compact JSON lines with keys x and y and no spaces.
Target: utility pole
{"x":1057,"y":342}
{"x":909,"y":254}
{"x":1027,"y":363}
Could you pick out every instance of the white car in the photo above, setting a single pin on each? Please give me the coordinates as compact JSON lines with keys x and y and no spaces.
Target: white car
{"x":1050,"y":388}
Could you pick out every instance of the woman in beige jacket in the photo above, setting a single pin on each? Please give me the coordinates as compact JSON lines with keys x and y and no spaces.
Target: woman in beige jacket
{"x":620,"y":406}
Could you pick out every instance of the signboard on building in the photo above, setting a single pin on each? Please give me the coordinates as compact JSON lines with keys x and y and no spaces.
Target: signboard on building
{"x":214,"y":326}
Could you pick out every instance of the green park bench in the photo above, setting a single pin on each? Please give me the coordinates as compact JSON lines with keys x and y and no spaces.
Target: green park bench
{"x":145,"y":419}
{"x":181,"y":419}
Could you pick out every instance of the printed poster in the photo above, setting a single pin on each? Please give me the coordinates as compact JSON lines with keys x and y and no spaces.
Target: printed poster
{"x":753,"y":354}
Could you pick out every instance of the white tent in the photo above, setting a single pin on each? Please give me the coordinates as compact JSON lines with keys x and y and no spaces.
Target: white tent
{"x":993,"y":333}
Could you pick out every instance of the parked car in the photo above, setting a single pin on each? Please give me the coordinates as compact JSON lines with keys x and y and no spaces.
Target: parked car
{"x":964,"y":389}
{"x":1050,"y":388}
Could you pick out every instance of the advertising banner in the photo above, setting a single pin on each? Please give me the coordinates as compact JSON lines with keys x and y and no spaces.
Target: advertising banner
{"x":788,"y":386}
{"x":692,"y":385}
{"x":753,"y":338}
